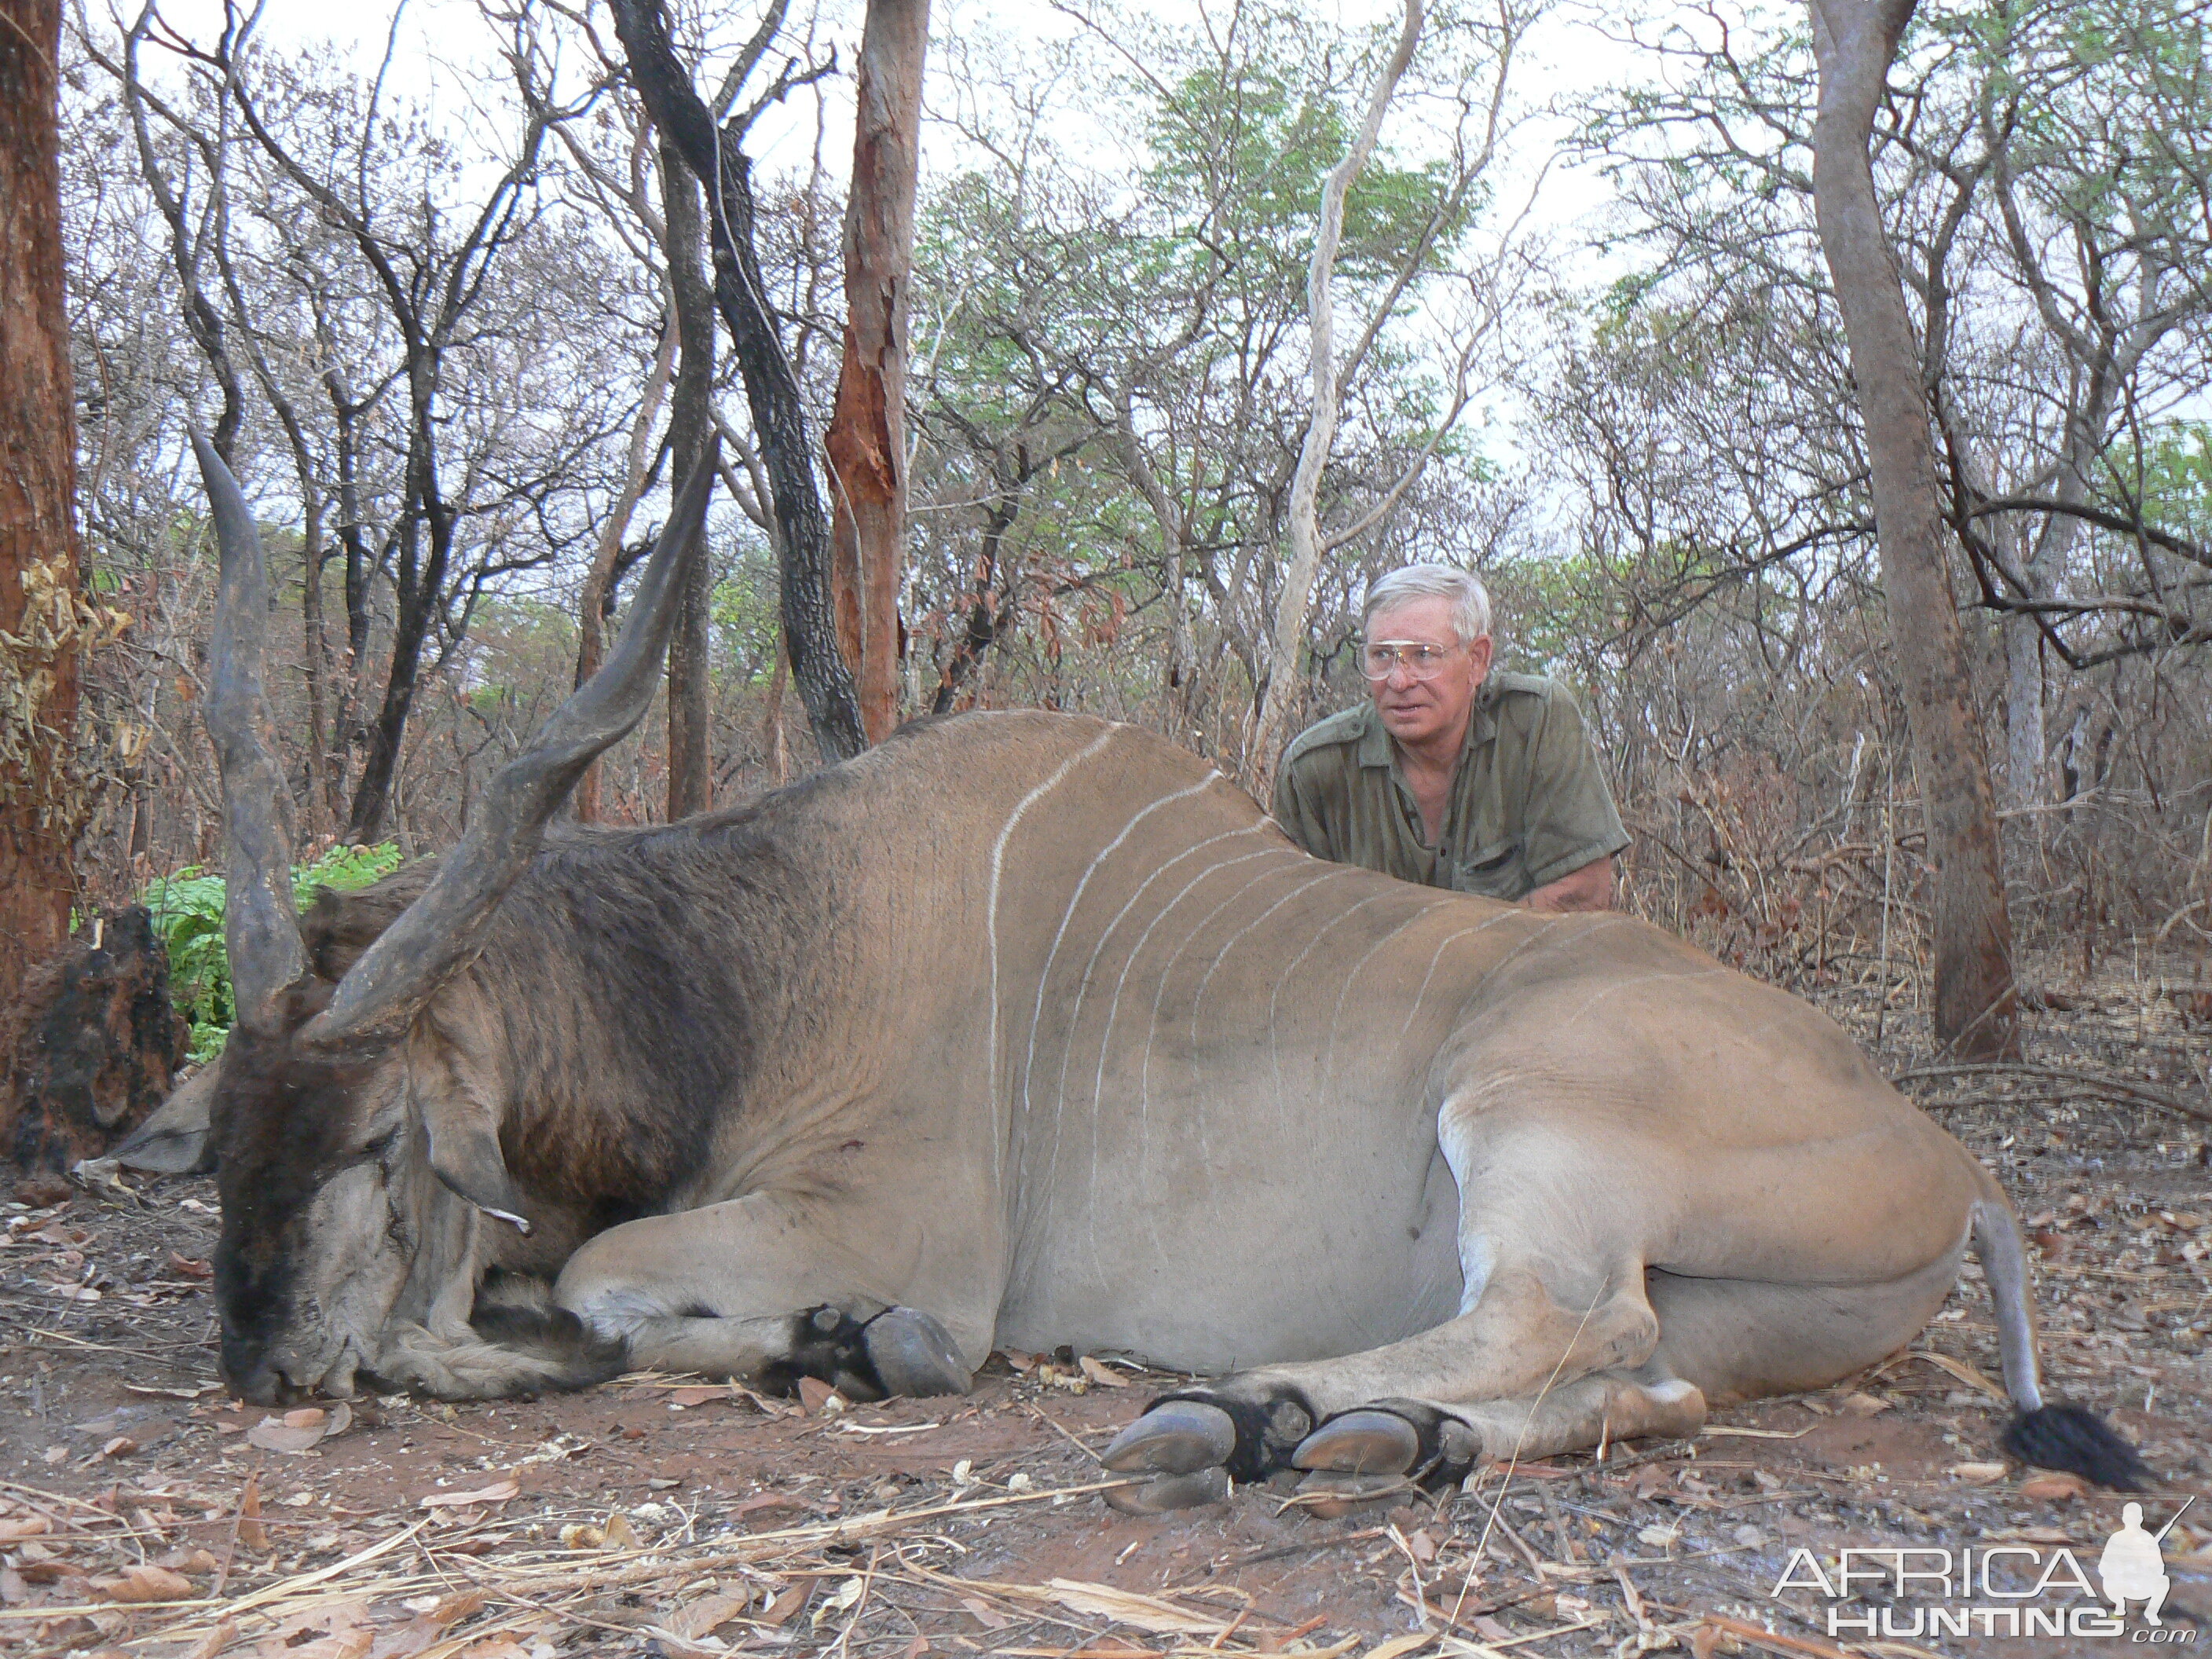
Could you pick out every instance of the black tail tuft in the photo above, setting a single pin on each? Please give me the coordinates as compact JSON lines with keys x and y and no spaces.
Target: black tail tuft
{"x":2076,"y":1440}
{"x":514,"y":1311}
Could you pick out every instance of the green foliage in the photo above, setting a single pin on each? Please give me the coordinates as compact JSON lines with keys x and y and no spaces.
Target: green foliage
{"x":187,"y":911}
{"x":2176,"y":472}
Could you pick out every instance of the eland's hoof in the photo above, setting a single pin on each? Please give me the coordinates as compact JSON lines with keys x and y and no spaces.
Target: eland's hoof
{"x":913,"y":1355}
{"x":1360,"y":1443}
{"x":1172,"y":1491}
{"x":1327,"y":1494}
{"x":1184,"y":1437}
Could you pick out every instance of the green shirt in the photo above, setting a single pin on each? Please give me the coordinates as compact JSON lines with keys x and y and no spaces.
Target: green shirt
{"x":1529,"y":803}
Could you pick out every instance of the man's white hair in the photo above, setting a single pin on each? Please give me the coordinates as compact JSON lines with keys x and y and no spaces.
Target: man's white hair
{"x":1470,"y":600}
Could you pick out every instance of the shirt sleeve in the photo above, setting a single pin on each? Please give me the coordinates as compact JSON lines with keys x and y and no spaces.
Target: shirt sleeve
{"x":1298,"y":815}
{"x":1570,"y":820}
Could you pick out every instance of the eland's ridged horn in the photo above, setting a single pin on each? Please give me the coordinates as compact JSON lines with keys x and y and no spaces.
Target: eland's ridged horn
{"x":440,"y":933}
{"x":260,"y":928}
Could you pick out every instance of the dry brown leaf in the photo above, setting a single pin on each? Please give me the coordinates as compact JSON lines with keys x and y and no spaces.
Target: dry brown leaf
{"x":122,"y":1446}
{"x":1112,"y":1647}
{"x":143,"y":1581}
{"x":1864,"y":1405}
{"x":791,"y":1601}
{"x":190,"y":1267}
{"x":300,"y":1430}
{"x":986,"y":1615}
{"x":498,"y":1492}
{"x":426,"y":1630}
{"x":697,"y":1395}
{"x":819,"y":1397}
{"x":251,"y":1533}
{"x":2054,"y":1488}
{"x":214,"y":1642}
{"x":704,"y":1616}
{"x":1978,"y":1474}
{"x":458,"y":1607}
{"x":1099,"y":1372}
{"x":14,"y":1529}
{"x":270,"y":1435}
{"x":418,"y":1635}
{"x":494,"y":1647}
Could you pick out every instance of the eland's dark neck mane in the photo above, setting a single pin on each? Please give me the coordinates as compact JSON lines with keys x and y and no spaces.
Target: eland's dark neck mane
{"x":622,"y":998}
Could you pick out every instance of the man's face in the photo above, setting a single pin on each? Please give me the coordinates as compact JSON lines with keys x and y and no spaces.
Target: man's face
{"x":1417,"y":712}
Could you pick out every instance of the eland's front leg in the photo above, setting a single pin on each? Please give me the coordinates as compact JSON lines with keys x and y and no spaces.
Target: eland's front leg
{"x":765,"y":1289}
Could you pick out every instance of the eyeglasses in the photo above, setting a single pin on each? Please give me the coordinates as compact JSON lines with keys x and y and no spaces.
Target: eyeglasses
{"x":1380,"y":658}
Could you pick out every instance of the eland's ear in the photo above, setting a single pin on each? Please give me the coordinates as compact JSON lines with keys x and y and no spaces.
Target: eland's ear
{"x":460,"y":1120}
{"x":176,"y":1140}
{"x":465,"y":1156}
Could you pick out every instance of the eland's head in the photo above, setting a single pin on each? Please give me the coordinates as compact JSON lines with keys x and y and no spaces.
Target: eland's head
{"x":358,"y":1140}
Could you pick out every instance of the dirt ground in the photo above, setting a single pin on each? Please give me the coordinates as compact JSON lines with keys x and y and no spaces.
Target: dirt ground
{"x":141,"y":1511}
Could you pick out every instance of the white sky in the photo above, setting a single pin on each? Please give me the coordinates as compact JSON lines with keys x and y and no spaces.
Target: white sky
{"x":440,"y":43}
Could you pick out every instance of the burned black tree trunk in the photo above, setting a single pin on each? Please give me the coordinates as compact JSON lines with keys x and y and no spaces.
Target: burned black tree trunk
{"x":96,"y":1047}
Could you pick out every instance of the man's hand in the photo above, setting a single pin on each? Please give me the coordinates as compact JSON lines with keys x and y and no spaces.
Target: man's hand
{"x":1590,"y":888}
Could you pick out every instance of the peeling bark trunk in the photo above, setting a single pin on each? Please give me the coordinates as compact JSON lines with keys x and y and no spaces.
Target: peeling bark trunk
{"x":37,"y":493}
{"x":866,"y":440}
{"x":690,"y":426}
{"x":1975,"y":1014}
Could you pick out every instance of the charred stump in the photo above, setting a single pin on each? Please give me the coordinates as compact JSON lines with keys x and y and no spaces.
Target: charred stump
{"x":96,"y":1044}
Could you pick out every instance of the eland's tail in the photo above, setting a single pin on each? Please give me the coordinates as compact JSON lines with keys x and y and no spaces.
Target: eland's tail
{"x":2051,"y":1436}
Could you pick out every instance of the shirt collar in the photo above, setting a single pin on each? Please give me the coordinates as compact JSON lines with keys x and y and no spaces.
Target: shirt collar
{"x":1375,"y":747}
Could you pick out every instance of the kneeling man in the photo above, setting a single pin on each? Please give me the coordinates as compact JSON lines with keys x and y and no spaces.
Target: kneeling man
{"x":1452,"y":775}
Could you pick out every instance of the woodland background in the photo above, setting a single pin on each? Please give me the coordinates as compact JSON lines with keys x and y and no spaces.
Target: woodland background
{"x":432,"y":312}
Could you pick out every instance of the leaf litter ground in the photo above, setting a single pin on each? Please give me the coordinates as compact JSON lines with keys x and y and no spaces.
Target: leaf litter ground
{"x":143,"y":1512}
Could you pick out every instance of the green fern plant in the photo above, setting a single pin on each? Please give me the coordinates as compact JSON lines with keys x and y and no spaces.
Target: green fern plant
{"x":187,"y":911}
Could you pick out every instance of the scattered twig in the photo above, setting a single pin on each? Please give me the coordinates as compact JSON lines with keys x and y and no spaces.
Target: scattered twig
{"x":2103,"y":1083}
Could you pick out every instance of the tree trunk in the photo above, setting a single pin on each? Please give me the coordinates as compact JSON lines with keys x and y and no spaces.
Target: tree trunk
{"x":866,"y":440}
{"x":1855,"y":41}
{"x":690,"y":425}
{"x":39,"y":783}
{"x":606,"y":557}
{"x":1304,"y":513}
{"x":96,"y":1044}
{"x":772,"y":392}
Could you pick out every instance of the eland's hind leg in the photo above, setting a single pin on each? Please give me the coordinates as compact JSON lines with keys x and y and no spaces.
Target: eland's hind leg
{"x":1554,"y":1291}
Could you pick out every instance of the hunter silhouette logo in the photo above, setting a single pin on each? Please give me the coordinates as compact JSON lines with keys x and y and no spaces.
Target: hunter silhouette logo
{"x":2133,"y":1566}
